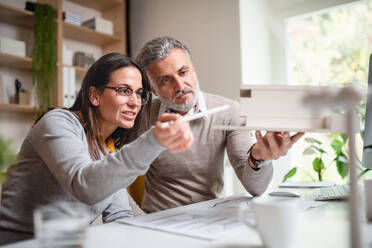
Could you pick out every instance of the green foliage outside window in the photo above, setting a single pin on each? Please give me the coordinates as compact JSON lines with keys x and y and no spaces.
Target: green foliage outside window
{"x":330,"y":48}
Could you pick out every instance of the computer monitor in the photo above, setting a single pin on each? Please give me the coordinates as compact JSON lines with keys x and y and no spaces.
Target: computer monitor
{"x":367,"y":150}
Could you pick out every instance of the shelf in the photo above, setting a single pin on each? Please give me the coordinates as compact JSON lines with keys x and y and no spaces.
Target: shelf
{"x":17,"y":107}
{"x":80,"y":71}
{"x":19,"y":19}
{"x":15,"y":61}
{"x":87,"y":35}
{"x":98,"y":5}
{"x":15,"y":16}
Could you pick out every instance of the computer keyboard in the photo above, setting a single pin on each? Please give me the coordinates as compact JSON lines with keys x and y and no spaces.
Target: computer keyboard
{"x":336,"y":192}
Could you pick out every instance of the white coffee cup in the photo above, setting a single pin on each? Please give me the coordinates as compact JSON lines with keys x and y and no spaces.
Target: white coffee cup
{"x":368,"y":198}
{"x":275,"y":220}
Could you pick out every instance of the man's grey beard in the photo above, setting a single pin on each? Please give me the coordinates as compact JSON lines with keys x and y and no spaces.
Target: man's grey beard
{"x":171,"y":104}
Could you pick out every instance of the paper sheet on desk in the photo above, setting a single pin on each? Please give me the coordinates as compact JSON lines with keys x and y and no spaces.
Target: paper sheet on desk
{"x":210,"y":220}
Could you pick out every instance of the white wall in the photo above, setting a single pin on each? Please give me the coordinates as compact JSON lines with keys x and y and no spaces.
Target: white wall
{"x":255,"y":42}
{"x":209,"y":28}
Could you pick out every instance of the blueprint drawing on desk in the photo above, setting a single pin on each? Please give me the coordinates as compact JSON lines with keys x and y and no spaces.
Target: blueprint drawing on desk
{"x":207,"y":220}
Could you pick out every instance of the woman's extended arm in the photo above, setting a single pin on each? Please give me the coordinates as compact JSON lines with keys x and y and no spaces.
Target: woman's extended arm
{"x":59,"y":140}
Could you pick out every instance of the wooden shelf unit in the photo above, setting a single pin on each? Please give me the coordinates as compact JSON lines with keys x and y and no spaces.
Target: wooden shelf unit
{"x":113,"y":10}
{"x":87,"y":35}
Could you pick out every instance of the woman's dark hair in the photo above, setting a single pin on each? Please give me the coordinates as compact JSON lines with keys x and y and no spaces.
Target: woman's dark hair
{"x":98,"y":76}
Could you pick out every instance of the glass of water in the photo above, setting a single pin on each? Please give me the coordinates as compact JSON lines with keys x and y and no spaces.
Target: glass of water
{"x":61,"y":224}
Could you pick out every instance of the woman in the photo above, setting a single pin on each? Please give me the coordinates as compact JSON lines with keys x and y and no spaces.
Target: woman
{"x":83,"y":154}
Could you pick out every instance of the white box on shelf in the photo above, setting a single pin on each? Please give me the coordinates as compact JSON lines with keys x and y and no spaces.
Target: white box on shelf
{"x":67,"y":56}
{"x":99,"y":24}
{"x":65,"y":87}
{"x":14,"y":47}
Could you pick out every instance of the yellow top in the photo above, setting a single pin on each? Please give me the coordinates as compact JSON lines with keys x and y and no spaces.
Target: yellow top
{"x":110,"y":144}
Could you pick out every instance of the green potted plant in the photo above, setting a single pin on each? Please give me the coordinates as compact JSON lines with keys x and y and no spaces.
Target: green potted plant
{"x":44,"y":54}
{"x":315,"y":148}
{"x":339,"y":159}
{"x":318,"y":150}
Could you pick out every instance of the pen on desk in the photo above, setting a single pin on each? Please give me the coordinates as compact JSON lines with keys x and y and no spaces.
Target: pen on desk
{"x":198,"y":115}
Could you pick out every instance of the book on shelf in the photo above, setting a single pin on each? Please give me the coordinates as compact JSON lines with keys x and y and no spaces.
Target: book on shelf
{"x":7,"y":89}
{"x":68,"y":86}
{"x":99,"y":24}
{"x":3,"y":95}
{"x":71,"y":18}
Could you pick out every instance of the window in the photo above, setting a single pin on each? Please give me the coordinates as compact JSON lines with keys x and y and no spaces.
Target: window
{"x":331,"y":47}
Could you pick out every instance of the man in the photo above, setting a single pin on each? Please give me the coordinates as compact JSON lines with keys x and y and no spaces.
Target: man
{"x":176,"y":179}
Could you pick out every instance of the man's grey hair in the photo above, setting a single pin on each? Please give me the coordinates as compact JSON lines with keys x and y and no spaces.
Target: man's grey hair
{"x":159,"y":48}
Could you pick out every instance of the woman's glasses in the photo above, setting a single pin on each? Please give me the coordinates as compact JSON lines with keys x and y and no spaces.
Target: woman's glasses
{"x":125,"y":91}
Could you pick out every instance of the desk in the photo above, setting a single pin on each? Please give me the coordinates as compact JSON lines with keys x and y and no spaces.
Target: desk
{"x":326,"y":226}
